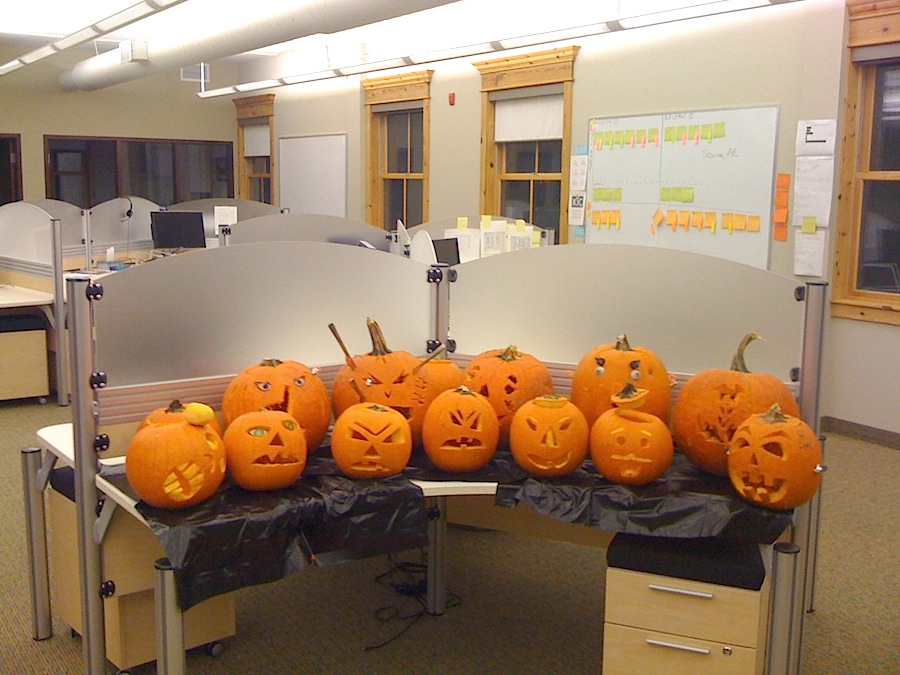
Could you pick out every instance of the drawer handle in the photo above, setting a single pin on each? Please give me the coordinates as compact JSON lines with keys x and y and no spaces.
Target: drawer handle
{"x":681,"y":591}
{"x":673,"y":645}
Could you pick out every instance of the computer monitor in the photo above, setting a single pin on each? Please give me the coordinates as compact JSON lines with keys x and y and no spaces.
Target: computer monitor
{"x":447,"y":250}
{"x":177,"y":229}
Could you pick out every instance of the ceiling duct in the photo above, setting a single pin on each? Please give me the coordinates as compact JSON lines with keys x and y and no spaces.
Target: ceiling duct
{"x":303,"y":18}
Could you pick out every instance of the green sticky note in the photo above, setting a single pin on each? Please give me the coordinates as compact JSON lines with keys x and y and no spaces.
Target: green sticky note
{"x":809,"y":225}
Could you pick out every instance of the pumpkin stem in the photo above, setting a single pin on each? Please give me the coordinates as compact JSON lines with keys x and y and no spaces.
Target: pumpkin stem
{"x":622,"y":343}
{"x":355,"y":387}
{"x":464,"y":390}
{"x":628,"y":391}
{"x":437,"y":352}
{"x":347,"y":357}
{"x":773,"y":415}
{"x":175,"y":407}
{"x":272,"y":363}
{"x":511,"y":354}
{"x":379,"y":346}
{"x":737,"y":362}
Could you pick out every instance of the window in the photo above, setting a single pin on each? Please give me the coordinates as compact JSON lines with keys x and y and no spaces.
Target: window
{"x":398,"y":116}
{"x":526,"y":134}
{"x":88,"y":171}
{"x":867,"y":255}
{"x":10,"y":168}
{"x":256,"y":177}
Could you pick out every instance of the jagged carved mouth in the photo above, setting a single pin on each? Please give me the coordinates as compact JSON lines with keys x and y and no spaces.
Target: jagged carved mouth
{"x":464,"y":443}
{"x":279,"y":459}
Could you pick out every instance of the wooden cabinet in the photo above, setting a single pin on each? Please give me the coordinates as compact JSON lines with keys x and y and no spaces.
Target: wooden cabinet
{"x":23,"y":364}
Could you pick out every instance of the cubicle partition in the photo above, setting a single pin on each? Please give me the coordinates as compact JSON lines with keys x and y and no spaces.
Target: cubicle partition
{"x":309,"y":227}
{"x":185,"y":324}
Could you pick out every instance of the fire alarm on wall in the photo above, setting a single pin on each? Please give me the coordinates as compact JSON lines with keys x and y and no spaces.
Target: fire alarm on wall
{"x":451,"y":97}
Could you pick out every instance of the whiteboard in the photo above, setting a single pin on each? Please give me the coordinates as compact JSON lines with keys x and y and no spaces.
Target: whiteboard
{"x":313,"y":174}
{"x":699,"y":181}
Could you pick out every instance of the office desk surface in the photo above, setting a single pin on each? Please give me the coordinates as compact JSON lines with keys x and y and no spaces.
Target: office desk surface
{"x":13,"y":297}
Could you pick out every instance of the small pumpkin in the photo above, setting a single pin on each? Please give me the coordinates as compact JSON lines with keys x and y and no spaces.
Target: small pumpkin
{"x":775,"y":460}
{"x":266,"y":450}
{"x":370,"y":440}
{"x":604,"y":370}
{"x":508,"y":378}
{"x":712,"y":404}
{"x":460,"y":431}
{"x":629,"y":446}
{"x":177,"y":464}
{"x":176,"y":411}
{"x":289,"y":386}
{"x":549,"y":436}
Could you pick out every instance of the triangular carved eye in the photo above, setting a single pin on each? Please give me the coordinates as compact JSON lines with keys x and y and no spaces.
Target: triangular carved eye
{"x":774,"y":449}
{"x":467,"y":420}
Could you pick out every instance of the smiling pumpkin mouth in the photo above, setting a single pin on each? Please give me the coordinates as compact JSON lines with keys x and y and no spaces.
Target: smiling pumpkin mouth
{"x":557,"y":462}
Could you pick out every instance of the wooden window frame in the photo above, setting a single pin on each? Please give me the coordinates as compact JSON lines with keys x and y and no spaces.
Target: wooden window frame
{"x":871,"y":24}
{"x":402,"y":88}
{"x":14,"y":165}
{"x":554,"y":66}
{"x":251,"y":110}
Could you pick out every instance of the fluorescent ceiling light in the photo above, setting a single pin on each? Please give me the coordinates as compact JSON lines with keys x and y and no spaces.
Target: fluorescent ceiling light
{"x":37,"y":54}
{"x":76,"y":38}
{"x":691,"y":12}
{"x":254,"y":86}
{"x":375,"y":65}
{"x":212,"y":93}
{"x":554,"y":36}
{"x":309,"y":77}
{"x":11,"y":66}
{"x":452,"y":53}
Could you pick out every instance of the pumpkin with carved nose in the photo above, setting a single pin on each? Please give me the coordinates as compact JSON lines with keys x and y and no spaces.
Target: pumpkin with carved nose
{"x":775,"y":460}
{"x":266,"y":450}
{"x":460,"y":431}
{"x":370,"y":440}
{"x":549,"y":436}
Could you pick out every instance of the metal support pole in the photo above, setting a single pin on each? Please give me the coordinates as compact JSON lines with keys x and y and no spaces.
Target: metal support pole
{"x":36,"y":529}
{"x":86,"y":231}
{"x":779,"y":651}
{"x":170,"y":658}
{"x":442,"y":276}
{"x":93,"y":644}
{"x":59,"y":315}
{"x":436,"y":598}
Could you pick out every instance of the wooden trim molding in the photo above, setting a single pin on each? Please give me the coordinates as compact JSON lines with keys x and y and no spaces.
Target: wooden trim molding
{"x":397,"y":88}
{"x":255,"y":106}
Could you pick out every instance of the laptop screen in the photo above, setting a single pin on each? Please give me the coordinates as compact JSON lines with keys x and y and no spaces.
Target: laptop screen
{"x":447,"y":250}
{"x":177,"y":229}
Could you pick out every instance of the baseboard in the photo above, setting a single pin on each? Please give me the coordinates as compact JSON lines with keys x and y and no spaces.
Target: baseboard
{"x":888,"y":439}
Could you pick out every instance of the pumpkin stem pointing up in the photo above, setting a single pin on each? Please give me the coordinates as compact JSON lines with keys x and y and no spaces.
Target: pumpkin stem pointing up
{"x":773,"y":415}
{"x":622,"y":343}
{"x":175,"y":406}
{"x":437,"y":352}
{"x":511,"y":354}
{"x":379,"y":346}
{"x":737,"y":361}
{"x":270,"y":362}
{"x":348,"y":358}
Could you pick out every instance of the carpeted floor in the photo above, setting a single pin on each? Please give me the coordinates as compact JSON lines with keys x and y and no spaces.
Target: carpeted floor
{"x":520,"y":605}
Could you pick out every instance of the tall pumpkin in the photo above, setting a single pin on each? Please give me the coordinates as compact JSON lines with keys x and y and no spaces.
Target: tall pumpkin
{"x":607,"y":368}
{"x":508,"y":378}
{"x":289,"y":386}
{"x":715,"y":401}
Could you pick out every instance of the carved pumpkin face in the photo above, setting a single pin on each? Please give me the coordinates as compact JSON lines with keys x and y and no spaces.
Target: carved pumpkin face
{"x":549,"y":436}
{"x":460,"y":431}
{"x":289,"y":386}
{"x":266,"y":450}
{"x":775,"y":460}
{"x":508,"y":378}
{"x":371,"y":441}
{"x":433,"y":378}
{"x":607,"y":368}
{"x":712,"y":404}
{"x":629,"y":446}
{"x":176,"y":465}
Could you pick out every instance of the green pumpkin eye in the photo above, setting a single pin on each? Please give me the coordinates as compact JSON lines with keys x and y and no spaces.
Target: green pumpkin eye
{"x":258,"y":432}
{"x":290,"y":425}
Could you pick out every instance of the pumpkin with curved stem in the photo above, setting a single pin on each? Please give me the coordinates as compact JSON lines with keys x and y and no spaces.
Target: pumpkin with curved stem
{"x":629,"y":446}
{"x":508,"y":378}
{"x":605,"y":370}
{"x":549,"y":436}
{"x":370,"y":440}
{"x":176,"y":411}
{"x":266,"y":450}
{"x":775,"y":460}
{"x":176,"y":464}
{"x":460,"y":431}
{"x":289,"y":386}
{"x":712,"y":404}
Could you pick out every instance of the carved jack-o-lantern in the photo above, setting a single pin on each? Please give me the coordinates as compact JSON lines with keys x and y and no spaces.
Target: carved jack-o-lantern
{"x":775,"y":460}
{"x":508,"y":378}
{"x":715,"y":401}
{"x":629,"y":446}
{"x":549,"y":436}
{"x":176,"y":464}
{"x":371,"y":441}
{"x":432,"y":377}
{"x":460,"y":431}
{"x":607,"y":368}
{"x":266,"y":450}
{"x":289,"y":386}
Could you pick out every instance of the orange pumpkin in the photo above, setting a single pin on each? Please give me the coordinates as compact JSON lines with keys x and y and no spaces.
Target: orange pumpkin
{"x":629,"y":446}
{"x":432,"y":377}
{"x":177,"y":411}
{"x":370,"y":440}
{"x":289,"y":386}
{"x":460,"y":431}
{"x":775,"y":460}
{"x":549,"y":436}
{"x":508,"y":378}
{"x":605,"y":370}
{"x":266,"y":450}
{"x":715,"y":401}
{"x":177,"y":464}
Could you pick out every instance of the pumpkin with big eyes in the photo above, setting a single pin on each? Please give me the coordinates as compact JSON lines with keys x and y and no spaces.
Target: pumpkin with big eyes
{"x":370,"y":440}
{"x":266,"y":450}
{"x":460,"y":431}
{"x":775,"y":460}
{"x":549,"y":436}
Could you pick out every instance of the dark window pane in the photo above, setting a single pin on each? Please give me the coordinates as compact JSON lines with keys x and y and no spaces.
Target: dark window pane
{"x":393,"y":202}
{"x":886,"y":122}
{"x":398,"y":143}
{"x":546,"y":204}
{"x":149,"y":171}
{"x":413,"y":203}
{"x":879,"y":250}
{"x":416,"y":136}
{"x":550,"y":157}
{"x":261,"y":190}
{"x":199,"y":173}
{"x":515,"y":199}
{"x":520,"y":157}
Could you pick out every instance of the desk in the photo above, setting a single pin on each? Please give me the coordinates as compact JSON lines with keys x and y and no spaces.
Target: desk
{"x":24,"y":349}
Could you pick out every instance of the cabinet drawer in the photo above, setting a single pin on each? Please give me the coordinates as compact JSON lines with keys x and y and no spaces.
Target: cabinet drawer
{"x":635,"y":651}
{"x":708,"y":611}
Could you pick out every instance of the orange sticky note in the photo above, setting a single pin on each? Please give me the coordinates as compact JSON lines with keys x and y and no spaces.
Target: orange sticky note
{"x":616,"y":219}
{"x":780,"y":233}
{"x":740,"y":221}
{"x":697,"y":219}
{"x":781,"y":215}
{"x":672,"y":219}
{"x":684,"y":219}
{"x":783,"y":181}
{"x":782,"y":197}
{"x":709,"y":221}
{"x":658,"y":217}
{"x":752,"y":223}
{"x":728,"y":222}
